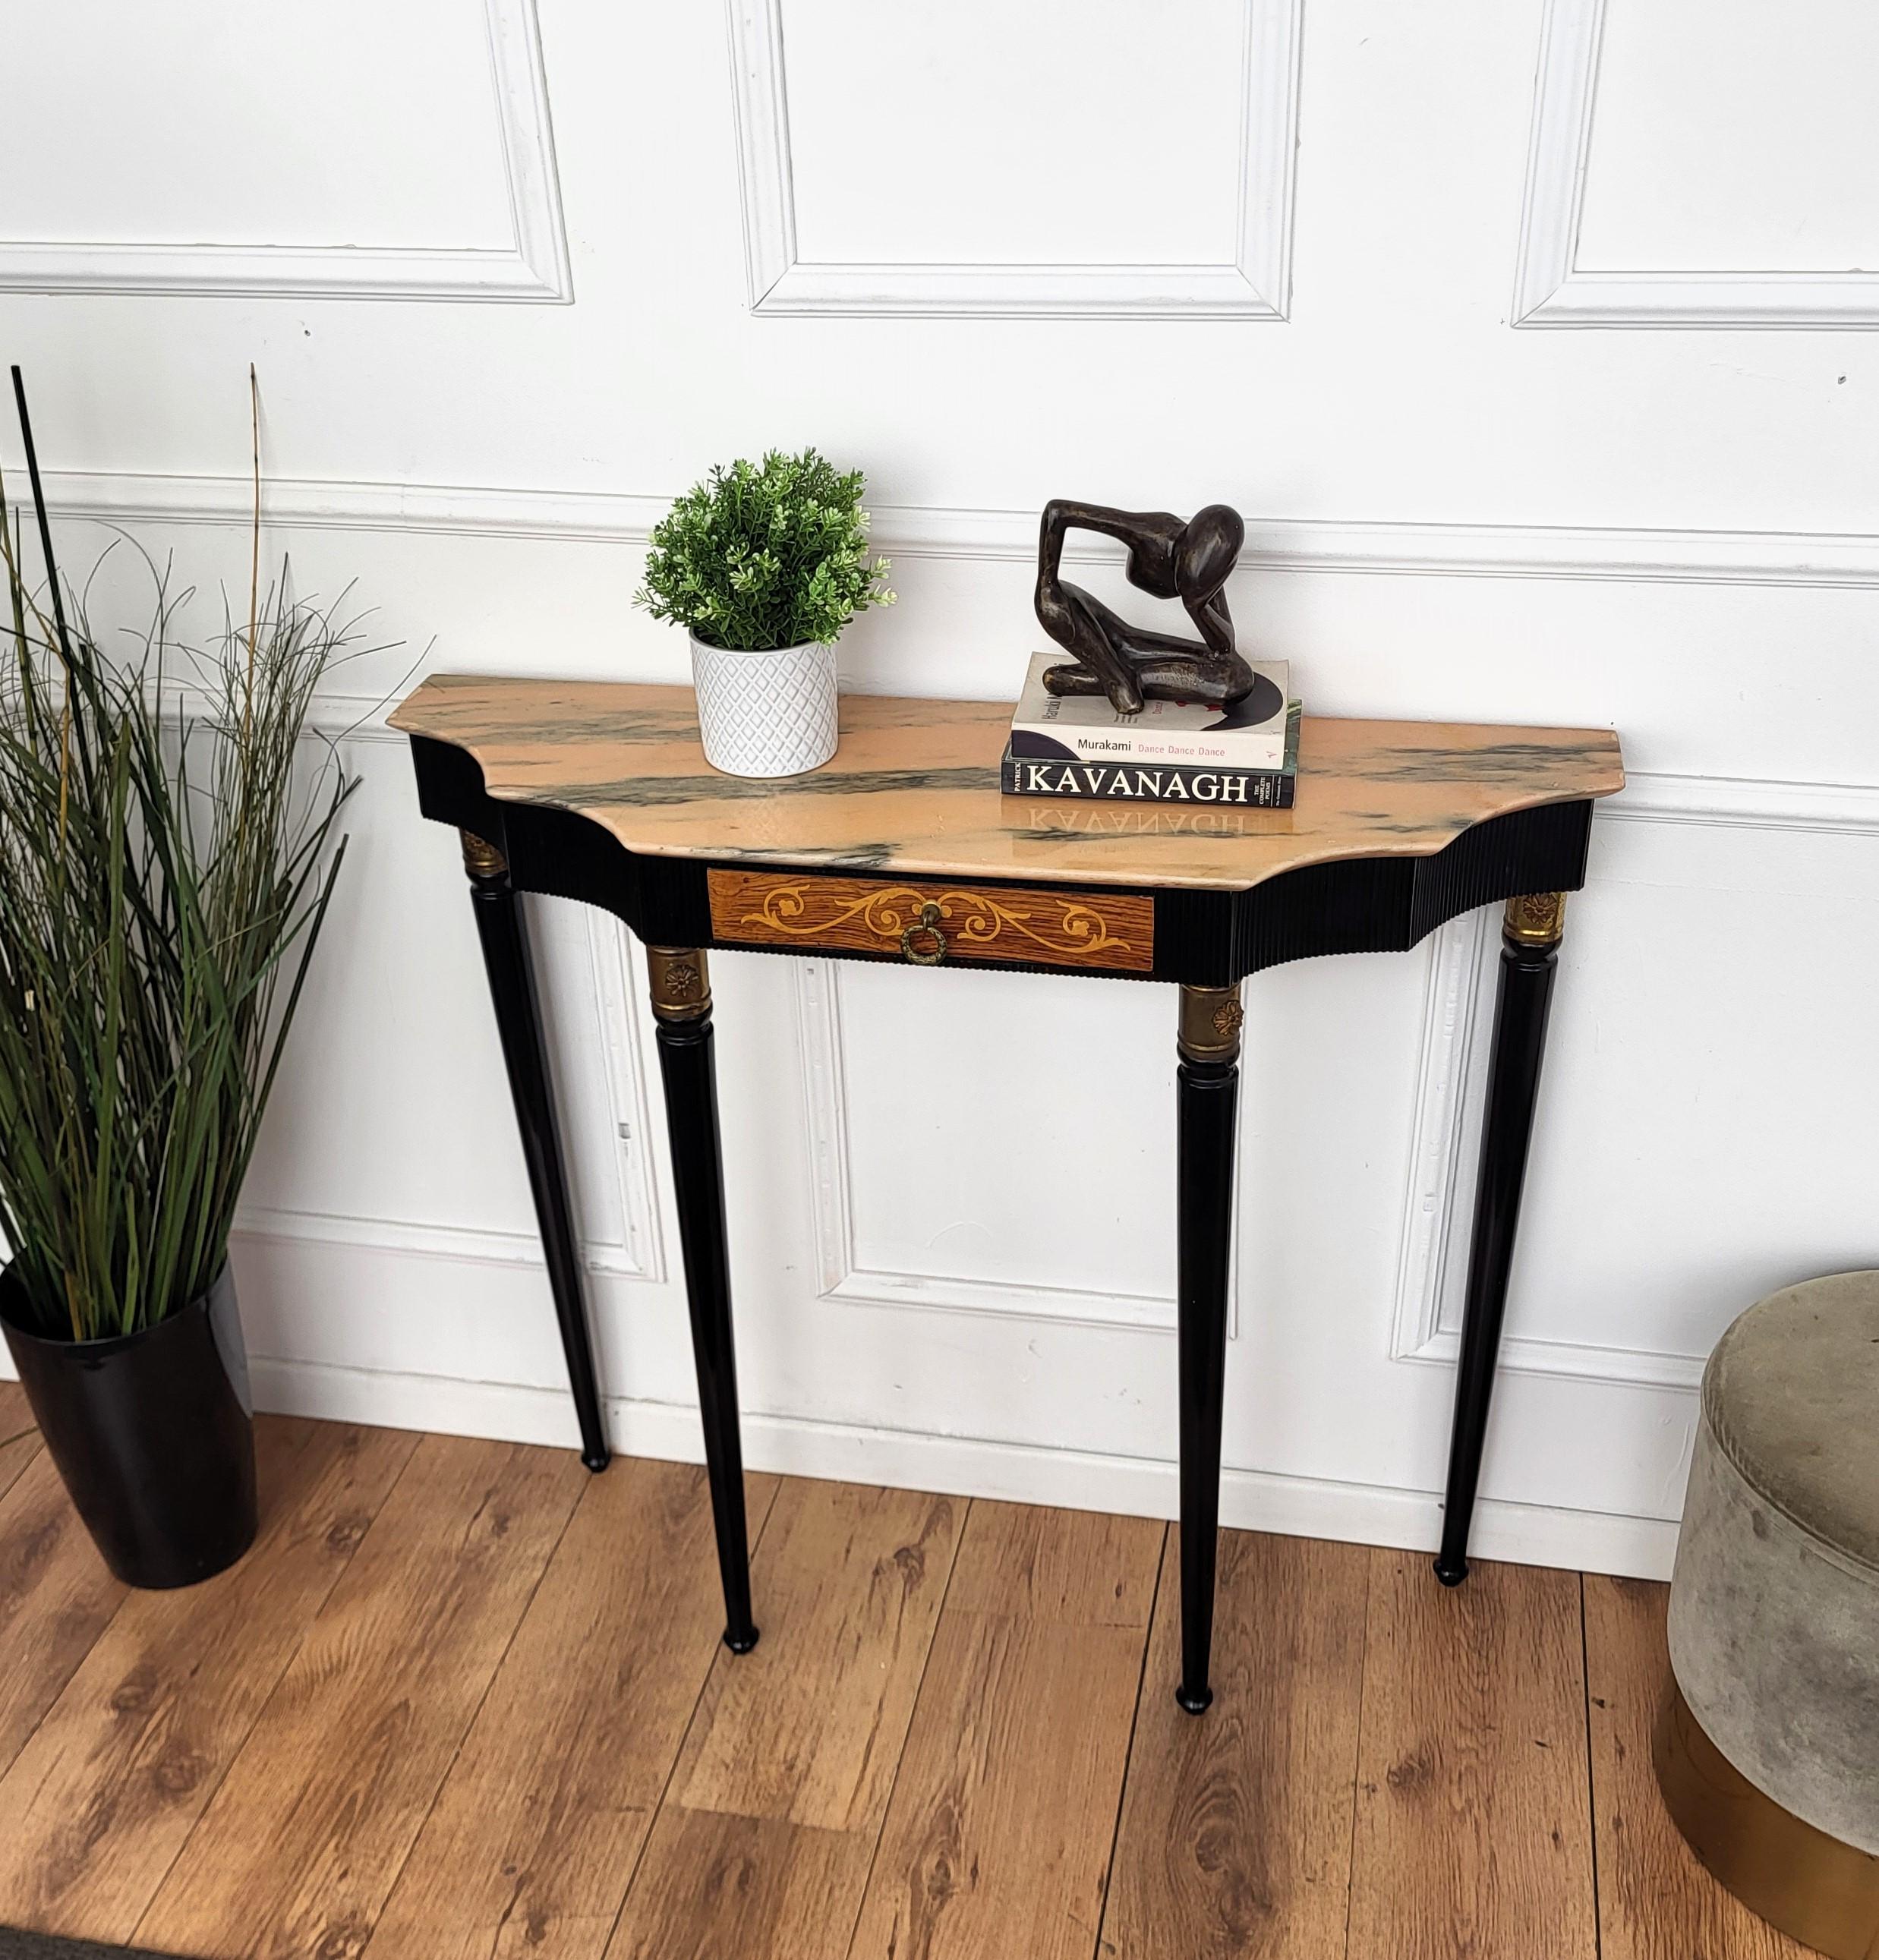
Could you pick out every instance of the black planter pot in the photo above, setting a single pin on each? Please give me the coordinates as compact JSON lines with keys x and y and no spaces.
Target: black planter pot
{"x":153,"y":1433}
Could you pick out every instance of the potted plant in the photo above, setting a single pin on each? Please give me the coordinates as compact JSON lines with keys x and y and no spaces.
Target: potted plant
{"x":763,"y":565}
{"x":164,"y":869}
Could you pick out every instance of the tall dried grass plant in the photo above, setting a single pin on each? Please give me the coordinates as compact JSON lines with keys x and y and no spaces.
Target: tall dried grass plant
{"x":167,"y":856}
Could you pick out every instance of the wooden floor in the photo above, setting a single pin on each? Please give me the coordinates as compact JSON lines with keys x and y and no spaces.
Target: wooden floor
{"x":464,"y":1700}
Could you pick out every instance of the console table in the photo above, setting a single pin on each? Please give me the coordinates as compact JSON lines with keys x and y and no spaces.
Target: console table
{"x":903,"y":850}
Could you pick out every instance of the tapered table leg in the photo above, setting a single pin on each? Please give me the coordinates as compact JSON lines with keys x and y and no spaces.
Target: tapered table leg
{"x":512,"y":988}
{"x":681,"y":1001}
{"x":1529,"y":956}
{"x":1208,"y":1079}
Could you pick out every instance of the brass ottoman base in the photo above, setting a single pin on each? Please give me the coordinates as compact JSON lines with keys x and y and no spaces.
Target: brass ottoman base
{"x":1814,"y":1888}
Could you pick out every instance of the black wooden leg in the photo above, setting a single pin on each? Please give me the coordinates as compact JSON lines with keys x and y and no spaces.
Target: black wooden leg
{"x":1529,"y":954}
{"x":1208,"y":1076}
{"x":512,"y":988}
{"x":681,"y":999}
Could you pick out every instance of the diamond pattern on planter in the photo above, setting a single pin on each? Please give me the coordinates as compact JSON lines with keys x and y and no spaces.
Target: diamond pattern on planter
{"x":768,"y":714}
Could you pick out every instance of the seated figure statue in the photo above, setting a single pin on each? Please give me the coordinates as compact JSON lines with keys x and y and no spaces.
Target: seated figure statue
{"x":1189,"y":562}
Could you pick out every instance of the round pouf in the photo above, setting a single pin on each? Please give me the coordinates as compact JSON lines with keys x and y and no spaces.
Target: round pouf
{"x":1768,"y":1749}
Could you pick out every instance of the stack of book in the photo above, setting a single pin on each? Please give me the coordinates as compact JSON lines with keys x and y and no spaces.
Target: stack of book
{"x":1171,"y":751}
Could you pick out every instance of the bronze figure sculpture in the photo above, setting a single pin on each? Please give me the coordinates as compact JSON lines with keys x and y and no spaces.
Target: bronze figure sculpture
{"x":1189,"y":562}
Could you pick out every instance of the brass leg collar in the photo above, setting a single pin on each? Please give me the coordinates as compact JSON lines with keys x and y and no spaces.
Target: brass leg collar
{"x":481,"y":859}
{"x":681,"y":982}
{"x":1821,"y":1891}
{"x":1210,"y":1023}
{"x":1537,"y":919}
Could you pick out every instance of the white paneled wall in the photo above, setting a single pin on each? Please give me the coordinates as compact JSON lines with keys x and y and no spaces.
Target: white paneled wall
{"x":1687,"y":173}
{"x":1281,"y":253}
{"x":1161,"y":185}
{"x":343,"y":149}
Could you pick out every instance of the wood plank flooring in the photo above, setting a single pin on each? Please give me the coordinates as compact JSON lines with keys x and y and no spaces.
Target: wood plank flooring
{"x":464,"y":1702}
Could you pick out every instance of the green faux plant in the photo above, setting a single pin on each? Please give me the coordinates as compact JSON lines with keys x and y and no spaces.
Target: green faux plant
{"x":165,"y":868}
{"x":765,"y":556}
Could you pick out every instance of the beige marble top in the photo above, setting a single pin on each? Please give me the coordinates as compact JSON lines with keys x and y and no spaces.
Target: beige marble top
{"x":914,"y":788}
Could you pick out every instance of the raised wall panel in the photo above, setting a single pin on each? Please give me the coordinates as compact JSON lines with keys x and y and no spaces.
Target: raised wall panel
{"x":1689,"y":168}
{"x":1757,"y":145}
{"x":364,"y":1086}
{"x":1108,"y":159}
{"x":1007,"y":1148}
{"x":1698,"y":936}
{"x":1092,"y":130}
{"x":342,"y":150}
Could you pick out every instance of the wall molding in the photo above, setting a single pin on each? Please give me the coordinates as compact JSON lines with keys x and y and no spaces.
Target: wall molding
{"x":977,"y":1467}
{"x":532,"y":266}
{"x":477,"y":1244}
{"x":1432,"y":1258}
{"x":1745,"y":802}
{"x":614,"y":969}
{"x":1551,"y":289}
{"x":841,"y":1275}
{"x":638,"y":1252}
{"x":1255,"y":285}
{"x":1387,"y":547}
{"x":1457,"y":1025}
{"x":1433,"y":1216}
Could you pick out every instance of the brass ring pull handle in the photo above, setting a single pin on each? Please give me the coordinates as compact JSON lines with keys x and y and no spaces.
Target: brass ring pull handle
{"x":928,"y":924}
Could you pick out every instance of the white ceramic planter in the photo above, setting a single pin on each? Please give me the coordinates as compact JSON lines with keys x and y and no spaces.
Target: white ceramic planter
{"x":772,"y":713}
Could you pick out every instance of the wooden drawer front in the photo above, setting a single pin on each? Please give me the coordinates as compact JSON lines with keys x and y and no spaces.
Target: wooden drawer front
{"x":1096,"y":931}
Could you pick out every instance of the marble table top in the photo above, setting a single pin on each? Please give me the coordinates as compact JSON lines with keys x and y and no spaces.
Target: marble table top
{"x":914,"y":788}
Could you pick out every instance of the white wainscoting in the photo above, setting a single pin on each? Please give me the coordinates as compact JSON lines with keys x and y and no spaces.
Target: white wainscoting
{"x":588,"y":975}
{"x":1439,"y":1208}
{"x":1251,"y":280}
{"x":533,"y":265}
{"x":1451,"y":1082}
{"x":1383,"y":1514}
{"x":844,"y":1277}
{"x":1552,"y":289}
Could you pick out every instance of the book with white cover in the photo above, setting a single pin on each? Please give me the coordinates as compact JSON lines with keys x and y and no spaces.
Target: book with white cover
{"x":1085,"y":728}
{"x":1158,"y":782}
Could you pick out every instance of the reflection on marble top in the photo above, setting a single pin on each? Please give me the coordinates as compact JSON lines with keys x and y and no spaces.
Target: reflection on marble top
{"x":914,"y":788}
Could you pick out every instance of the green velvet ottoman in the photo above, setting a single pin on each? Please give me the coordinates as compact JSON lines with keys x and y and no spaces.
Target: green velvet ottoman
{"x":1768,"y":1750}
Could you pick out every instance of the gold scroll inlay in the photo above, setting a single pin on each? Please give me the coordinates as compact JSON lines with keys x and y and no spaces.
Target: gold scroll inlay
{"x":1111,"y":931}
